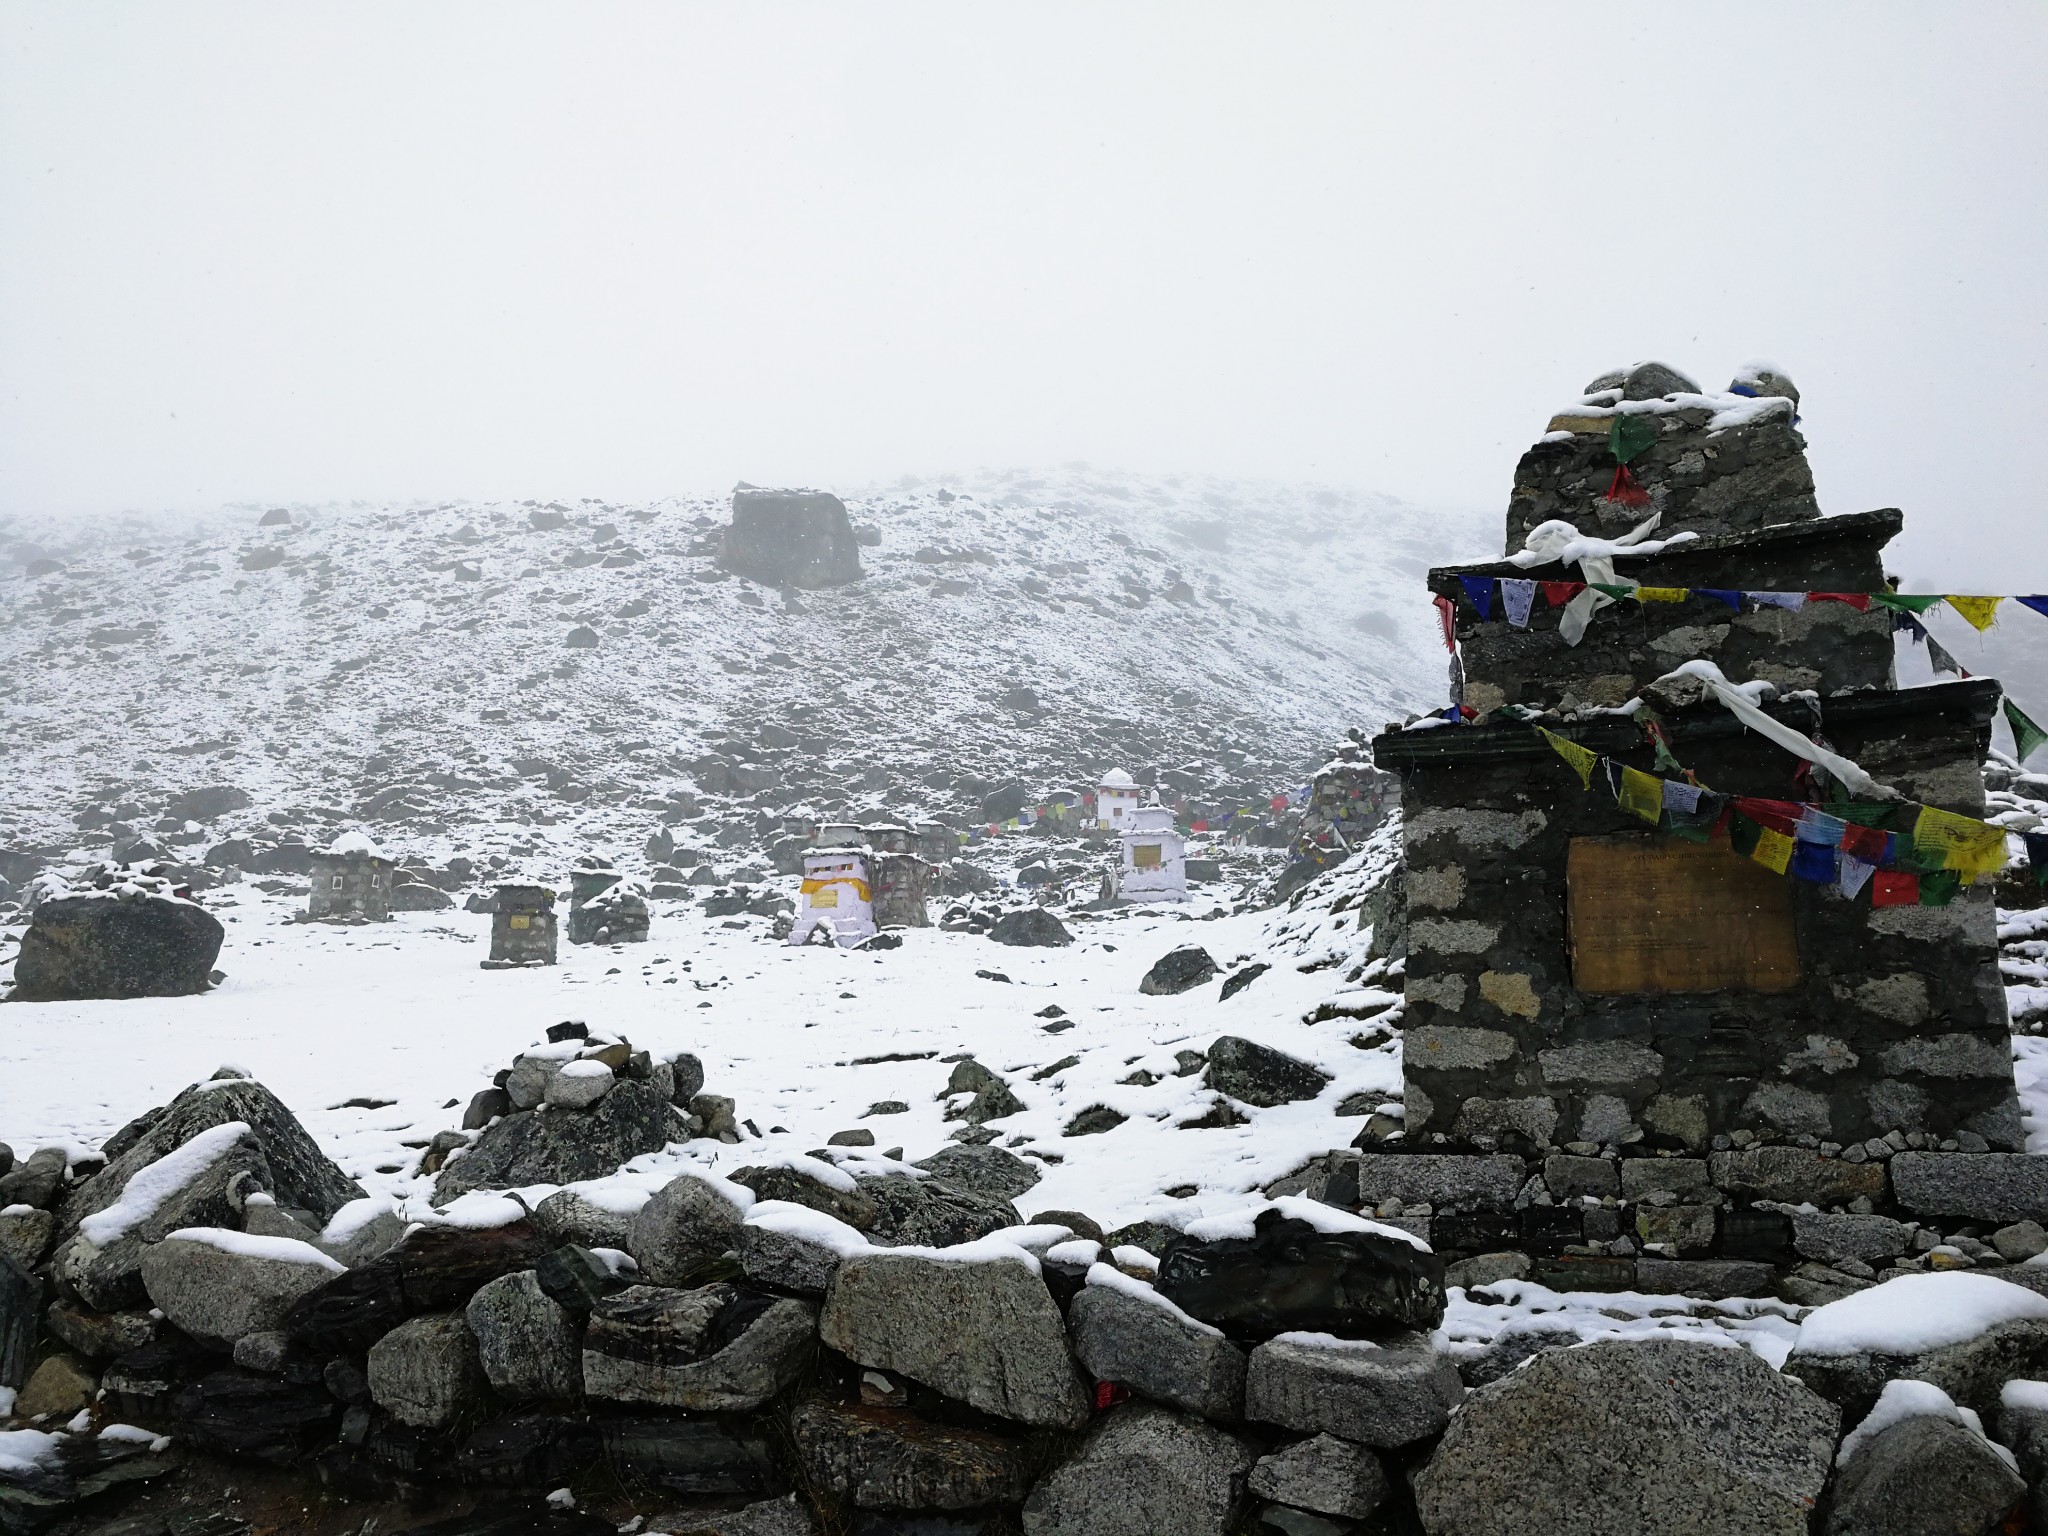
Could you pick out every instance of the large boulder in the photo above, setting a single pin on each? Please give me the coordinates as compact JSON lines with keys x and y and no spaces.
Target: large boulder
{"x":565,"y":1146}
{"x":1030,"y":928}
{"x":528,"y":1343}
{"x":202,"y":1183}
{"x":1126,"y":1332}
{"x":1385,"y":1394}
{"x":1259,"y":1075}
{"x":718,"y":1349}
{"x":932,"y":1213}
{"x":1143,"y":1468}
{"x":785,"y":1247}
{"x":1917,"y":1466}
{"x":116,"y":944}
{"x":300,"y":1174}
{"x":790,"y":539}
{"x":1302,"y":1266}
{"x":982,"y":1328}
{"x":1178,"y":970}
{"x":688,"y":1224}
{"x":219,"y":1285}
{"x":1626,"y":1436}
{"x":887,"y":1458}
{"x":1968,"y":1334}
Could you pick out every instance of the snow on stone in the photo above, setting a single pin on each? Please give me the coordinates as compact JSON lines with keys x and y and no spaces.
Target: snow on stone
{"x":151,"y":1185}
{"x":355,"y":844}
{"x":1475,"y":1321}
{"x":278,"y":1250}
{"x":1906,"y":1399}
{"x":22,"y":1450}
{"x":2025,"y":1394}
{"x":1913,"y":1313}
{"x":1110,"y":1278}
{"x":807,"y":1225}
{"x":1240,"y":1223}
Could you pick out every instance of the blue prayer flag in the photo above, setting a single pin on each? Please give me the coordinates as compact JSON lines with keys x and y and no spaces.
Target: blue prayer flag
{"x":1814,"y":862}
{"x":1480,"y":590}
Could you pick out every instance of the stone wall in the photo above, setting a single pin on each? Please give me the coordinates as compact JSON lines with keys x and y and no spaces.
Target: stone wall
{"x":1828,"y":647}
{"x":1737,"y":478}
{"x":1898,"y":1023}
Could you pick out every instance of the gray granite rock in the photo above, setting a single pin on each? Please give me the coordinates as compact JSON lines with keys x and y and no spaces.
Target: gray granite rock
{"x":1922,"y":1475}
{"x":1971,"y":1372}
{"x":1323,"y":1474}
{"x":217,"y":1295}
{"x":1143,"y":1468}
{"x":985,"y":1331}
{"x":1980,"y":1186}
{"x":1448,"y":1181}
{"x":788,"y":1260}
{"x":529,"y":1345}
{"x":983,"y":1170}
{"x":1796,"y":1176}
{"x":684,"y":1228}
{"x":425,"y":1373}
{"x":567,"y":1217}
{"x":715,"y":1349}
{"x":25,"y":1234}
{"x":1623,"y":1437}
{"x":1157,"y":1351}
{"x":1259,"y":1075}
{"x":563,"y":1146}
{"x":1867,"y":1239}
{"x":300,"y":1175}
{"x":1386,"y":1394}
{"x":889,"y":1458}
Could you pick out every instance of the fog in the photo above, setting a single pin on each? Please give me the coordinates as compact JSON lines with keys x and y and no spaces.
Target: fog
{"x":259,"y":252}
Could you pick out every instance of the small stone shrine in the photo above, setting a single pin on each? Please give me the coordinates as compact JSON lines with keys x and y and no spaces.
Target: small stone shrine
{"x":604,"y":907}
{"x":900,"y":878}
{"x":1599,"y":968}
{"x":1154,"y":863}
{"x":522,"y":927}
{"x":351,"y":882}
{"x":836,"y":894}
{"x":1116,"y":797}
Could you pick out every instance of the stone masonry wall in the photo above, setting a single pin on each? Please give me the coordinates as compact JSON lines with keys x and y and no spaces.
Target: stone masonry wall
{"x":1898,"y":1024}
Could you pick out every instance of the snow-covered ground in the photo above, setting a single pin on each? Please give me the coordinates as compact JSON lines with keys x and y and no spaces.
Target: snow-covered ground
{"x":401,"y":1011}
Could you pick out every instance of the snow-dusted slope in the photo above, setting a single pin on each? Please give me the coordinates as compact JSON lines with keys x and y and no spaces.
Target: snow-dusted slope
{"x":409,"y":667}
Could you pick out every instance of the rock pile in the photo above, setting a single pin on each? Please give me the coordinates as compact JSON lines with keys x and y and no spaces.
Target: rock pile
{"x":577,"y":1107}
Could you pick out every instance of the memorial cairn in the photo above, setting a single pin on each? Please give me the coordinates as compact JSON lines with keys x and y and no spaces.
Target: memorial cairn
{"x":1702,"y":988}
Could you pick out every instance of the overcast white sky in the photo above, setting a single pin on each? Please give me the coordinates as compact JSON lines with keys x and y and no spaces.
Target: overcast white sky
{"x":257,"y":252}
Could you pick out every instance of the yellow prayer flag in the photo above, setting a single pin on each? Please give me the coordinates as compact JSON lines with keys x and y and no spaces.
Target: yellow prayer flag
{"x":1965,"y":844}
{"x":1773,"y":850}
{"x":1581,"y":760}
{"x":1980,"y":611}
{"x":1643,"y":794}
{"x":1662,"y":594}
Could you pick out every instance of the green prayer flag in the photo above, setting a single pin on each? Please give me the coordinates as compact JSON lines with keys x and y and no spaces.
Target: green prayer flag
{"x":1743,"y":833}
{"x":1612,"y":589}
{"x":1911,"y":602}
{"x":1939,"y":888}
{"x":2026,"y":735}
{"x":1629,"y":436}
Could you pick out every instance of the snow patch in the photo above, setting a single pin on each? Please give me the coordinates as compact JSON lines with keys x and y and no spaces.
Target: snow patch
{"x":278,"y":1250}
{"x":151,"y":1185}
{"x":1915,"y":1313}
{"x":1907,"y":1399}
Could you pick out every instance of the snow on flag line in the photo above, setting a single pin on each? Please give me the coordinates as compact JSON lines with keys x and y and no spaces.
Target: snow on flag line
{"x":1518,"y":599}
{"x":1906,"y":853}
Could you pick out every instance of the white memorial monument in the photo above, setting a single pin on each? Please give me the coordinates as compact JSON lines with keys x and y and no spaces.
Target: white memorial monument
{"x":1154,"y":858}
{"x":1116,"y":797}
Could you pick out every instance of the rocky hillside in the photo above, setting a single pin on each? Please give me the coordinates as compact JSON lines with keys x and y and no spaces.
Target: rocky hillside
{"x":523,"y":681}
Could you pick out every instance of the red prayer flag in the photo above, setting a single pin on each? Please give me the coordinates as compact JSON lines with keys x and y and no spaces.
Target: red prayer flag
{"x":1865,"y":843}
{"x":1447,"y":611}
{"x":1860,"y":601}
{"x":1894,"y":888}
{"x":1558,"y":593}
{"x":1778,"y":815}
{"x":1201,"y":826}
{"x":1108,"y":1394}
{"x":1278,"y":802}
